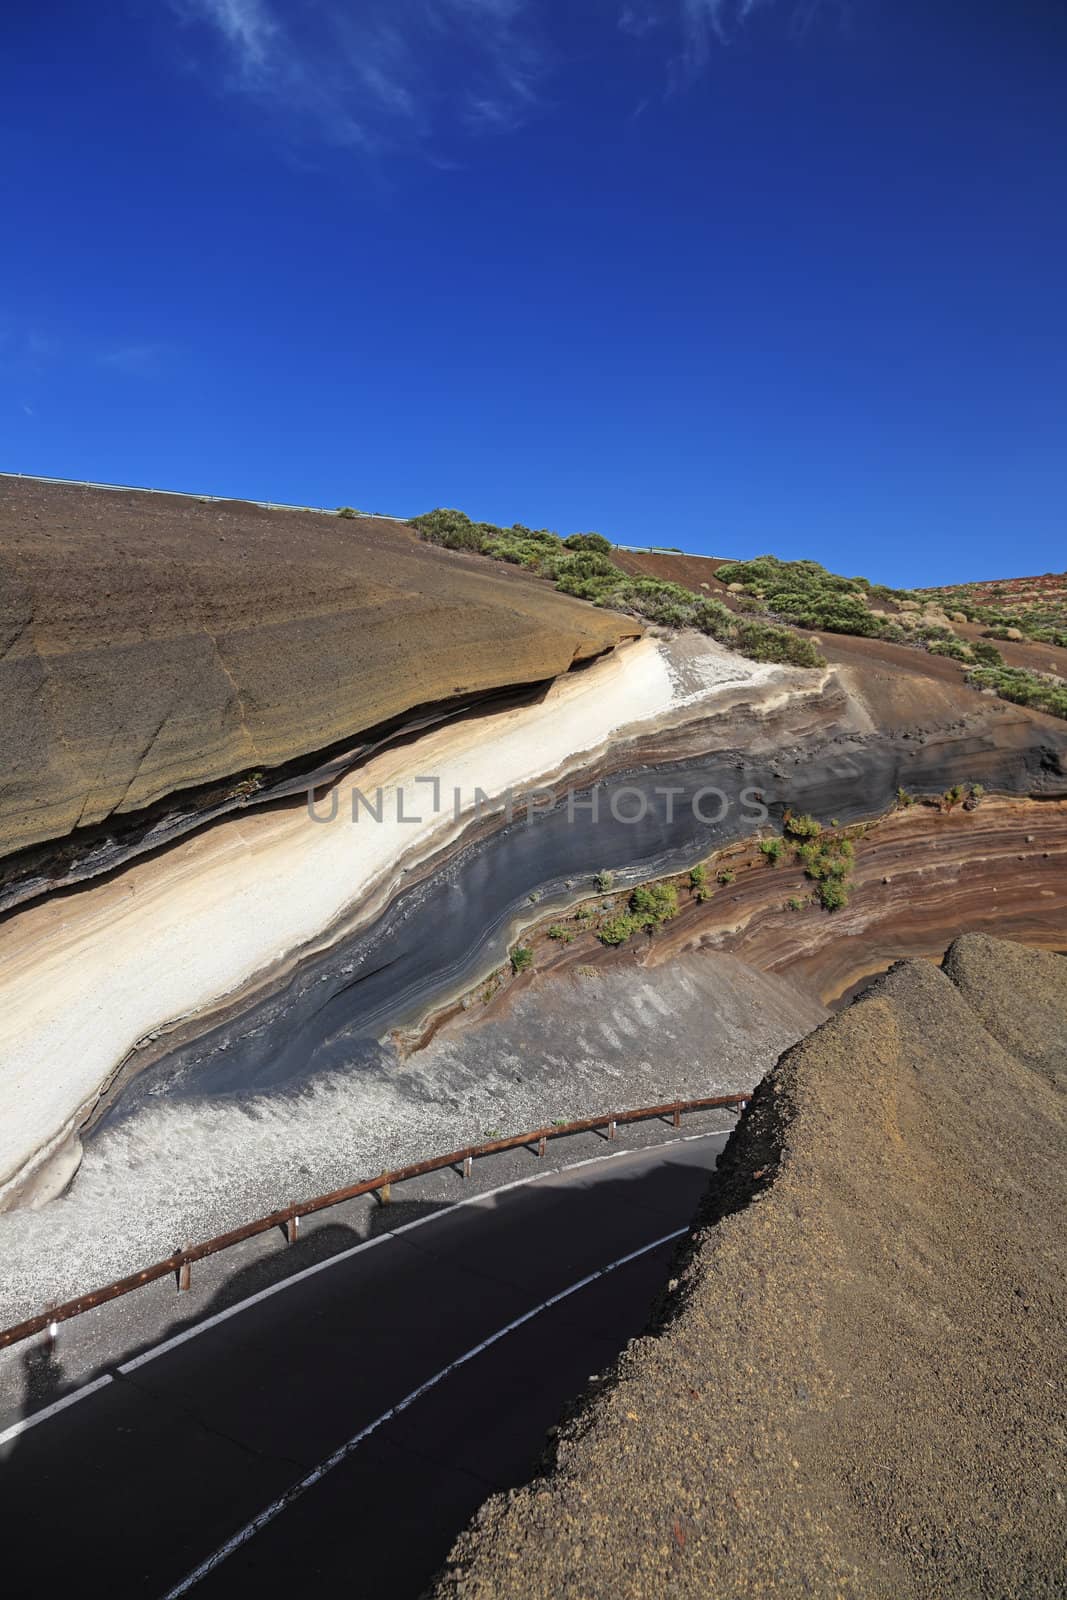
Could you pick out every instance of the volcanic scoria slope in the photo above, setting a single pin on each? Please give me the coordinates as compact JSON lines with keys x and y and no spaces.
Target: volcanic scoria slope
{"x":854,"y":1385}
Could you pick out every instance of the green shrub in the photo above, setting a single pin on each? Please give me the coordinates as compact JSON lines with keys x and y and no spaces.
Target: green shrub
{"x":348,"y":511}
{"x":1035,"y":689}
{"x":795,"y":903}
{"x":521,"y":958}
{"x":726,"y":876}
{"x":806,"y":594}
{"x":985,"y":651}
{"x":452,"y":529}
{"x":617,"y":929}
{"x":773,"y":850}
{"x":832,"y":894}
{"x":654,"y":904}
{"x":802,"y":827}
{"x":698,"y":877}
{"x":588,"y":541}
{"x":604,"y":881}
{"x":904,"y":799}
{"x":561,"y":934}
{"x":955,"y":648}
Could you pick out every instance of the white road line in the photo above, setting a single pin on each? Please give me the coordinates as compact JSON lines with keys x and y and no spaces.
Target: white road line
{"x":331,"y":1261}
{"x":50,"y":1411}
{"x":316,"y":1475}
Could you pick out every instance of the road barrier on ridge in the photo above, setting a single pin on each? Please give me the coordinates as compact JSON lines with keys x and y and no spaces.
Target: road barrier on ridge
{"x":288,"y":1218}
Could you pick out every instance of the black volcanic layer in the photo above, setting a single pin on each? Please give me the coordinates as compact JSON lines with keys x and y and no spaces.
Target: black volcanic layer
{"x":437,"y":937}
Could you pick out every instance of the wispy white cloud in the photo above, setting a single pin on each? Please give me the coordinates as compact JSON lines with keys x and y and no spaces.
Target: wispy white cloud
{"x":247,"y":26}
{"x":369,"y":73}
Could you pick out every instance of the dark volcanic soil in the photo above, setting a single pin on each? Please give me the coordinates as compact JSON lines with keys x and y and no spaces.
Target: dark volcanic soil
{"x":855,"y":1384}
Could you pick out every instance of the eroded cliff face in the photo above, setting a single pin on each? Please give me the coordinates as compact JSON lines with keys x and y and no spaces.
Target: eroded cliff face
{"x":859,"y":1353}
{"x":272,"y":967}
{"x":152,"y":644}
{"x":273,"y":950}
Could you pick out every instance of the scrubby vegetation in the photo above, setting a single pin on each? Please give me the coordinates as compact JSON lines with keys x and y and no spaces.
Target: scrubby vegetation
{"x":985,"y":651}
{"x":649,"y":907}
{"x":1034,"y":609}
{"x":1041,"y":691}
{"x":773,"y":850}
{"x":581,"y":566}
{"x":521,"y":958}
{"x":805,"y":593}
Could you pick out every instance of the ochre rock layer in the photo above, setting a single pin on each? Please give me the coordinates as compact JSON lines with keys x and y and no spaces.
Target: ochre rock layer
{"x":152,"y":643}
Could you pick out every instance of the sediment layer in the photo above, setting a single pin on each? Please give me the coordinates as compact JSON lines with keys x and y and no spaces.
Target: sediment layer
{"x":86,"y":978}
{"x":852,"y":1384}
{"x":187,"y":1169}
{"x":368,"y":927}
{"x":150,"y":643}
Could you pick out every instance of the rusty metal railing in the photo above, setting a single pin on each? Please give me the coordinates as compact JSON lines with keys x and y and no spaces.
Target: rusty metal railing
{"x":288,"y":1218}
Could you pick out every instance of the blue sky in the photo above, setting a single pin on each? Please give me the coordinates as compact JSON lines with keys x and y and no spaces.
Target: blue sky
{"x":735,"y":277}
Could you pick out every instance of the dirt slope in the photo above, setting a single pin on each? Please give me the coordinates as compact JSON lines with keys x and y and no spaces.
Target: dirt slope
{"x":149,"y":642}
{"x":857,"y":1384}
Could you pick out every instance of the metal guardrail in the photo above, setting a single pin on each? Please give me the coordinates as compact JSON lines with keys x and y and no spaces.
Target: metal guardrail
{"x":189,"y":494}
{"x":288,"y":1218}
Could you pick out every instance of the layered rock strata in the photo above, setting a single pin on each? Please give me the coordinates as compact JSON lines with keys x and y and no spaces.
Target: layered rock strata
{"x":153,"y":643}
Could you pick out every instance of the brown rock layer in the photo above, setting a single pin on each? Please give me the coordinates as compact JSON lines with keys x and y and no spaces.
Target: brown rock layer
{"x":150,"y":643}
{"x":920,"y":877}
{"x":856,"y":1383}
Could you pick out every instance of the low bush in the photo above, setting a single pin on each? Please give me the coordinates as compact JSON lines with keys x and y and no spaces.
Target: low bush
{"x":802,"y":827}
{"x":726,"y":877}
{"x":954,"y":648}
{"x":588,"y":541}
{"x":521,"y":958}
{"x":617,"y":929}
{"x":655,"y":904}
{"x":561,"y":934}
{"x":1035,"y":689}
{"x":773,"y":850}
{"x":832,"y":893}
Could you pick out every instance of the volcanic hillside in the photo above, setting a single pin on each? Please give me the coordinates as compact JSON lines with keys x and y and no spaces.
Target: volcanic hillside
{"x":332,"y":841}
{"x":854,"y":1383}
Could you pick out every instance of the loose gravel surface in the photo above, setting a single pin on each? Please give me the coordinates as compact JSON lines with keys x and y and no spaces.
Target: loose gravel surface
{"x":854,"y":1383}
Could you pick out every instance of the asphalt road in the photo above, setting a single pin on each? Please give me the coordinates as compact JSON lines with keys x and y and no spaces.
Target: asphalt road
{"x":341,"y":1428}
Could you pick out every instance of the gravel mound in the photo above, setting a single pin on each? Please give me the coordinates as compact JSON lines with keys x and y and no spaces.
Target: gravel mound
{"x":854,"y":1385}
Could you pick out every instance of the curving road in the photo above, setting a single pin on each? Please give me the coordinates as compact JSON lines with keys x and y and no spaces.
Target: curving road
{"x":338,"y":1429}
